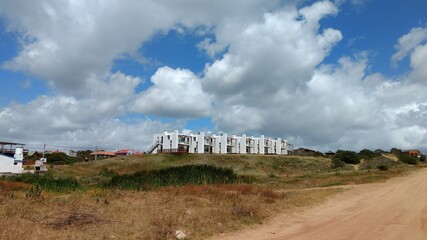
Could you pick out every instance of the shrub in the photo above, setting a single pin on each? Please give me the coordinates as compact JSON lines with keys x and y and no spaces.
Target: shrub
{"x":396,"y":151}
{"x":337,"y":163}
{"x":367,"y":154}
{"x":407,"y":159}
{"x":378,"y":161}
{"x":347,"y":156}
{"x":176,"y":176}
{"x":35,"y":192}
{"x":423,"y":158}
{"x":61,"y":159}
{"x":107,"y":172}
{"x":48,"y":182}
{"x":383,"y":167}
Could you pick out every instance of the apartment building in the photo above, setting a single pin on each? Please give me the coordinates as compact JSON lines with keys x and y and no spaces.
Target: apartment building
{"x":175,"y":142}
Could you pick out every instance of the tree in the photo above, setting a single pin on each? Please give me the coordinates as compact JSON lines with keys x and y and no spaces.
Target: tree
{"x":367,"y":154}
{"x":347,"y":156}
{"x":337,"y":163}
{"x":396,"y":151}
{"x":408,"y":159}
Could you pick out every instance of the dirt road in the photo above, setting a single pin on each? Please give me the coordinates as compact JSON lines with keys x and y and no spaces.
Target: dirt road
{"x":395,"y":209}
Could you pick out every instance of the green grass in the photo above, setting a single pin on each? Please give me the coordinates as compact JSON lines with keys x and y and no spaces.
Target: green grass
{"x":48,"y":182}
{"x":253,"y":165}
{"x":176,"y":176}
{"x":279,"y":171}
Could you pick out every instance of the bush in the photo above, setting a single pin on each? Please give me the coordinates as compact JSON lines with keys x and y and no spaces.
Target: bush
{"x":377,"y":162}
{"x":35,"y":192}
{"x":337,"y":163}
{"x":48,"y":182}
{"x":107,"y":172}
{"x":423,"y":158}
{"x":367,"y":154}
{"x":61,"y":159}
{"x":176,"y":176}
{"x":383,"y":167}
{"x":347,"y":156}
{"x":407,"y":159}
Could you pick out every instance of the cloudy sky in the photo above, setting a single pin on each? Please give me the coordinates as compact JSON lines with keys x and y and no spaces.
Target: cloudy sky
{"x":343,"y":74}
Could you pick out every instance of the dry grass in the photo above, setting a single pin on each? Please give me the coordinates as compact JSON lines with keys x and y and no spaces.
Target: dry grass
{"x":254,"y":165}
{"x":337,"y":178}
{"x":200,"y":211}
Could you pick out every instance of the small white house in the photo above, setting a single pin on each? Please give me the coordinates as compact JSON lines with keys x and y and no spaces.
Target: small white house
{"x":12,"y":164}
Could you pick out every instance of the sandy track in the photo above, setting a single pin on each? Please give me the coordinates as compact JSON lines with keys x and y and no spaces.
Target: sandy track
{"x":395,"y":209}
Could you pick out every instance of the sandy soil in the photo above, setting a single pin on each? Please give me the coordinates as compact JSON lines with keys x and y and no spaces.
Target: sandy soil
{"x":395,"y":209}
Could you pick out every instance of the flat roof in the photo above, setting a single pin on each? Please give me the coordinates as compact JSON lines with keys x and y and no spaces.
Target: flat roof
{"x":10,"y":143}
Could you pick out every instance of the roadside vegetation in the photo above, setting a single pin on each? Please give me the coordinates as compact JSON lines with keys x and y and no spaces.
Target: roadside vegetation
{"x":153,"y":196}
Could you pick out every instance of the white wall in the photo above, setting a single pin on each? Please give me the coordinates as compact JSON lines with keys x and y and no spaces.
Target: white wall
{"x":10,"y":164}
{"x":219,"y":143}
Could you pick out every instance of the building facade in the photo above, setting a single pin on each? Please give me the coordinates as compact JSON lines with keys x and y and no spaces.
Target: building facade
{"x":175,"y":142}
{"x":12,"y":164}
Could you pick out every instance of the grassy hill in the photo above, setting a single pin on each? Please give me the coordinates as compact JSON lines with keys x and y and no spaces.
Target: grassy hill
{"x":250,"y":165}
{"x":277,"y":171}
{"x":74,"y":197}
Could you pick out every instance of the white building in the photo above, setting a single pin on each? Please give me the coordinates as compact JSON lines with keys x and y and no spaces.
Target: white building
{"x":175,"y":142}
{"x":12,"y":164}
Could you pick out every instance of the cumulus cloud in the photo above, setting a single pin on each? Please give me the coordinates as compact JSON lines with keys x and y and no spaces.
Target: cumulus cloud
{"x":68,"y":43}
{"x":175,"y":93}
{"x":282,"y":89}
{"x":269,"y":59}
{"x":81,"y":124}
{"x":407,"y":43}
{"x":267,"y":75}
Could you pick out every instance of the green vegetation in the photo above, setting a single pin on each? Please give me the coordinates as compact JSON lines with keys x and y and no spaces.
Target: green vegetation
{"x":176,"y":176}
{"x":383,"y":167}
{"x":368,"y":154}
{"x":349,"y":157}
{"x":48,"y":182}
{"x":408,"y":159}
{"x":337,"y":163}
{"x":61,"y":159}
{"x":379,"y":161}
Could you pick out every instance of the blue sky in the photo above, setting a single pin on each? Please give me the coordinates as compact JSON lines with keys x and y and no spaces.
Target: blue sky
{"x":345,"y":74}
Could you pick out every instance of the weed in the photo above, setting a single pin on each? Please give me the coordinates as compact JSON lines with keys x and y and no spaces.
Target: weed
{"x":408,"y":159}
{"x":107,"y":172}
{"x":383,"y":167}
{"x":35,"y":192}
{"x":176,"y":176}
{"x":48,"y":182}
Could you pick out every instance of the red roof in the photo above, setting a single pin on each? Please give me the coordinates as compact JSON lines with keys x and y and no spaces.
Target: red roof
{"x":123,"y":151}
{"x":103,"y":153}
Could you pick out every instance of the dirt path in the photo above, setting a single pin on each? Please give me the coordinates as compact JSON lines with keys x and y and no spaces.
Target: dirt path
{"x":396,"y":209}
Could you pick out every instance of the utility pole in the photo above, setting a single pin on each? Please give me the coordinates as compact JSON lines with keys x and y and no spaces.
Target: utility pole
{"x":44,"y":149}
{"x":96,"y":151}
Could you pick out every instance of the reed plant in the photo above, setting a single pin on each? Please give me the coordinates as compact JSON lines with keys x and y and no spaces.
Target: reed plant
{"x":176,"y":176}
{"x":48,"y":182}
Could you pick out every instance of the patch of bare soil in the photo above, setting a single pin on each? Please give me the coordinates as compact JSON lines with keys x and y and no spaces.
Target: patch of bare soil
{"x":75,"y":219}
{"x":395,"y":209}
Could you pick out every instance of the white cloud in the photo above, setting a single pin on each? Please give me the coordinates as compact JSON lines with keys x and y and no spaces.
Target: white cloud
{"x":68,"y":43}
{"x":419,"y":63}
{"x":175,"y":93}
{"x":267,"y":75}
{"x":277,"y":53}
{"x":408,"y":42}
{"x":67,"y":122}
